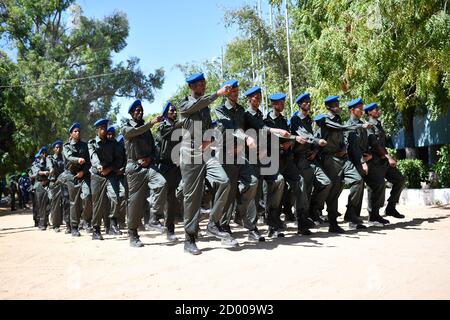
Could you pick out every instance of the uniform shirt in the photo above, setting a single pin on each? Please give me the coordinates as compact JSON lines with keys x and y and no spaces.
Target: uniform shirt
{"x":164,"y":139}
{"x":279,"y":122}
{"x":41,"y":165}
{"x":104,"y":153}
{"x":332,"y":130}
{"x":196,"y":111}
{"x":72,"y":151}
{"x":358,"y":142}
{"x":58,"y":165}
{"x":231,"y":118}
{"x":377,"y":139}
{"x":304,"y":124}
{"x":255,"y":120}
{"x":139,"y":142}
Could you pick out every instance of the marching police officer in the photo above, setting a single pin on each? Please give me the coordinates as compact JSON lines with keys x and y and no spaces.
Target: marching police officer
{"x":142,"y":173}
{"x":196,"y":165}
{"x":58,"y":192}
{"x":382,"y":166}
{"x":243,"y":181}
{"x":42,"y":169}
{"x":169,"y":165}
{"x":336,"y":164}
{"x":120,"y":173}
{"x":105,"y":160}
{"x":305,"y":155}
{"x":274,"y":182}
{"x":288,"y":169}
{"x":77,"y":164}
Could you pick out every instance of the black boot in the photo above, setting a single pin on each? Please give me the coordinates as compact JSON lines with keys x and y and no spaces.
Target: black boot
{"x":134,"y":239}
{"x":190,"y":246}
{"x":75,"y":232}
{"x":171,"y":233}
{"x":254,"y":235}
{"x":335,"y":228}
{"x":114,"y":228}
{"x":96,"y":235}
{"x":213,"y":230}
{"x":68,"y":230}
{"x":391,"y":211}
{"x":155,"y":225}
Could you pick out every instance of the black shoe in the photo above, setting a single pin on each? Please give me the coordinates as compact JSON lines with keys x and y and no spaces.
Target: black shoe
{"x":68,"y":230}
{"x":155,"y":226}
{"x":239,"y":221}
{"x":391,"y":211}
{"x":226,"y":229}
{"x":190,"y":246}
{"x":334,"y":228}
{"x":171,"y":236}
{"x":96,"y":235}
{"x":75,"y":232}
{"x":306,"y":223}
{"x":36,"y":224}
{"x":273,"y":233}
{"x":114,"y":229}
{"x":377,"y":221}
{"x":304,"y":232}
{"x":56,"y":229}
{"x":42,"y":228}
{"x":134,"y":239}
{"x":356,"y":226}
{"x":254,"y":235}
{"x":213,"y":230}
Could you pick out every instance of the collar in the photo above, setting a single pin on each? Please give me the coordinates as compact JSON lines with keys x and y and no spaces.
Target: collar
{"x":273,"y":116}
{"x":229,"y":106}
{"x":251,"y":111}
{"x":300,"y":115}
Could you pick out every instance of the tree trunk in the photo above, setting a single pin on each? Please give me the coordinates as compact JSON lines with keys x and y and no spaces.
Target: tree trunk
{"x":408,"y":125}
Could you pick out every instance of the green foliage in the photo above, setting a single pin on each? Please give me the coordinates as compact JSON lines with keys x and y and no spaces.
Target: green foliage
{"x":442,"y":166}
{"x":414,"y":172}
{"x":63,"y":73}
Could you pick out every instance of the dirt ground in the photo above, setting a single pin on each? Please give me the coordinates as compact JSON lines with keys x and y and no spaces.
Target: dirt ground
{"x":410,"y":259}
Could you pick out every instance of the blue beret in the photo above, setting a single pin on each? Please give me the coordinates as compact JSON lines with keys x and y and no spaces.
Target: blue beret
{"x":36,"y":155}
{"x":331,"y":99}
{"x":43,"y":149}
{"x":354,"y":103}
{"x":75,"y":125}
{"x":195,"y":77}
{"x":135,"y":104}
{"x":233,"y":83}
{"x":302,"y":96}
{"x":277,"y":96}
{"x":320,"y":117}
{"x":166,"y":107}
{"x":119,"y":138}
{"x":252,"y":90}
{"x":56,"y":142}
{"x":370,"y":106}
{"x":101,"y":122}
{"x":111,"y":129}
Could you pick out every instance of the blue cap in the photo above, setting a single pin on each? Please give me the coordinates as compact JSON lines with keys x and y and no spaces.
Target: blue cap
{"x":36,"y":155}
{"x":233,"y":83}
{"x":354,"y":103}
{"x":43,"y":149}
{"x":111,"y":130}
{"x":135,"y":104}
{"x":320,"y":117}
{"x":166,"y":107}
{"x":56,"y":143}
{"x":119,"y":138}
{"x":370,"y":106}
{"x":331,"y":99}
{"x":74,"y":125}
{"x":101,"y":122}
{"x":252,"y":90}
{"x":195,"y":77}
{"x":302,"y":96}
{"x":277,"y":96}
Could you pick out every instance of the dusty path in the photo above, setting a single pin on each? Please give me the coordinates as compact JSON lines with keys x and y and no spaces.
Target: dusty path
{"x":408,"y":260}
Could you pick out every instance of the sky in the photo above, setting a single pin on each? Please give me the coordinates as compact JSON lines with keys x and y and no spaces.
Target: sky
{"x":166,"y":33}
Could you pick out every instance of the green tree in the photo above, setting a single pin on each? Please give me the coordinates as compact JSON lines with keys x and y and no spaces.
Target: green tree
{"x":63,"y":72}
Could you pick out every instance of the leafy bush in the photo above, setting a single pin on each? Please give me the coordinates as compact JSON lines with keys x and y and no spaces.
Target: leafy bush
{"x":414,"y":172}
{"x":442,"y":166}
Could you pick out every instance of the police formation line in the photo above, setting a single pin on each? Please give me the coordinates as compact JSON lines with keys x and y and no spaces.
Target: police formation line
{"x":122,"y":181}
